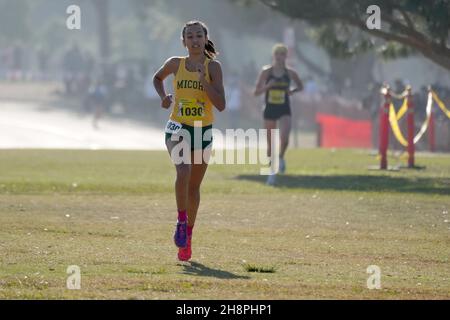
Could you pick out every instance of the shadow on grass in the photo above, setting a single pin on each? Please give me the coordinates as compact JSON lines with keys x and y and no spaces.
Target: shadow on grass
{"x":198,"y":269}
{"x":358,"y":183}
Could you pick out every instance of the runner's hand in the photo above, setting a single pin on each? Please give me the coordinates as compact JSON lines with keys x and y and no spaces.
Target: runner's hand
{"x":201,"y":71}
{"x":270,"y":84}
{"x":166,"y":102}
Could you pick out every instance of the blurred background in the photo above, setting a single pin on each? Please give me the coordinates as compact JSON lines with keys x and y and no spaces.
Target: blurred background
{"x":92,"y":88}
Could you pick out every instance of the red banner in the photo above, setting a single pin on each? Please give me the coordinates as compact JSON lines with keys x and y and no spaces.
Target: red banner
{"x":339,"y":132}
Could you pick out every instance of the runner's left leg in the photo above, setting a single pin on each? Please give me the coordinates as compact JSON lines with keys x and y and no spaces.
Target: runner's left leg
{"x":285,"y":131}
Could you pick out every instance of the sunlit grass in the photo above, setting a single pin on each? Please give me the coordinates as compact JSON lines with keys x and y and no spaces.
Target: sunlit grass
{"x":313,"y":235}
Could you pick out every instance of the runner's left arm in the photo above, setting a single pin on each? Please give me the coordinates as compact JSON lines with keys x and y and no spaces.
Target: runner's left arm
{"x":214,"y":89}
{"x":294,"y":76}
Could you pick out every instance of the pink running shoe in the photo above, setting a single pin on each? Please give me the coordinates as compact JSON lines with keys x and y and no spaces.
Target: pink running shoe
{"x":180,"y":236}
{"x":184,"y":254}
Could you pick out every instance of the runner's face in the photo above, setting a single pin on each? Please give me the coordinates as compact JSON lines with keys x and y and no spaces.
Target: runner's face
{"x":194,"y":39}
{"x":279,"y":57}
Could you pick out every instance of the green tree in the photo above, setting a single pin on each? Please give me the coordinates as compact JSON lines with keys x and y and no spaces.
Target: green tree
{"x":408,"y":26}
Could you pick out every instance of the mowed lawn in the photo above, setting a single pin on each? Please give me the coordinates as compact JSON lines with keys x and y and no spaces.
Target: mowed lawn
{"x":112,"y":214}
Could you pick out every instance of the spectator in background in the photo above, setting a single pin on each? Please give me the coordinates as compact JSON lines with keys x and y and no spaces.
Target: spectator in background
{"x":84,"y":79}
{"x":399,"y":86}
{"x":72,"y":66}
{"x":98,"y":98}
{"x":3,"y":63}
{"x":88,"y":62}
{"x":420,"y":97}
{"x":16,"y":59}
{"x":43,"y":57}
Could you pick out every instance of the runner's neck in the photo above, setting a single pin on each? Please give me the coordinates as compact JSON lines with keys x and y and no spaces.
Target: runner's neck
{"x":197,"y":58}
{"x":278,"y":70}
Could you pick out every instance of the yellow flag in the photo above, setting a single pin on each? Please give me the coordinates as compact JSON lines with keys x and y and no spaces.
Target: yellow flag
{"x":441,"y":104}
{"x":395,"y":127}
{"x":402,"y":109}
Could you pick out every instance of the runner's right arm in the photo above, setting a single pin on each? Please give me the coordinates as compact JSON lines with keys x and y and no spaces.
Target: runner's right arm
{"x":169,"y":67}
{"x":261,"y":85}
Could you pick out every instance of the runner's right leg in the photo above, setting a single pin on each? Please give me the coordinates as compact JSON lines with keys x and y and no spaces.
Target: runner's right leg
{"x":285,"y":131}
{"x":181,"y":194}
{"x":269,"y":125}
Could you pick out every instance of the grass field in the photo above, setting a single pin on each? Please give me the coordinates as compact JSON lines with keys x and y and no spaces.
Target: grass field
{"x":311,"y":237}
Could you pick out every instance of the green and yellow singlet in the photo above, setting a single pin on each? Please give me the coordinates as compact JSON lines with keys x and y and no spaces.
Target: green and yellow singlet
{"x":191,"y":103}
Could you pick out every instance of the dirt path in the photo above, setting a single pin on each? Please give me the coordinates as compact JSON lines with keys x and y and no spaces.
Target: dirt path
{"x":27,"y":125}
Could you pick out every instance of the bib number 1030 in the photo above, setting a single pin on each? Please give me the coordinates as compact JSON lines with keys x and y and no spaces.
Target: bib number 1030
{"x":191,"y":111}
{"x":190,"y":108}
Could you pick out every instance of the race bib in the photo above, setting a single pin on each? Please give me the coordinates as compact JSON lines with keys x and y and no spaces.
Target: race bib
{"x":191,"y":108}
{"x":173,"y":127}
{"x":277,"y":97}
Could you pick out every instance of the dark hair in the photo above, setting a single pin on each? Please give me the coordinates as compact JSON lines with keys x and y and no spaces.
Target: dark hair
{"x":210,"y":51}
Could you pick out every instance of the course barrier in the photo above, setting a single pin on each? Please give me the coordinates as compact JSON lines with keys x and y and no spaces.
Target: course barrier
{"x":390,"y":118}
